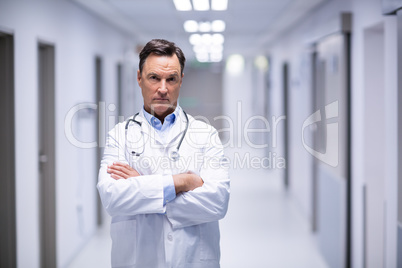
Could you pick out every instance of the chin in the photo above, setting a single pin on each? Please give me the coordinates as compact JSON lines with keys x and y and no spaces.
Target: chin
{"x":161,"y":109}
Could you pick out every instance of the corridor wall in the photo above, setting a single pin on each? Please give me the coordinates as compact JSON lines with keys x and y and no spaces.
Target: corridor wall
{"x":292,"y":47}
{"x":78,"y":37}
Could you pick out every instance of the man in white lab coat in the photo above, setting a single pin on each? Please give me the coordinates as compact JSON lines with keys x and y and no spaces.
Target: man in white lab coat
{"x":164,"y":178}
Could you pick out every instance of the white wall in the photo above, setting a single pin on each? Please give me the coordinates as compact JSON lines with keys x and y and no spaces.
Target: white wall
{"x":238,"y":104}
{"x":77,"y":36}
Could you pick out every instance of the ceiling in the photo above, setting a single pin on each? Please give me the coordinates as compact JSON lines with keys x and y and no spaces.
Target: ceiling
{"x":250,"y":24}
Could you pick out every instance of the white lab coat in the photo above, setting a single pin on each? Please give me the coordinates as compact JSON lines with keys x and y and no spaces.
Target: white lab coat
{"x":184,"y":232}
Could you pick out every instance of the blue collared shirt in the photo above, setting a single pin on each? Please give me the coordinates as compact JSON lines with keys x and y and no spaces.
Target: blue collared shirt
{"x":169,"y":191}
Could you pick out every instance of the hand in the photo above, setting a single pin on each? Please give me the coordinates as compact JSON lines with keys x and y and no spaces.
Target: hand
{"x":121,"y":171}
{"x":185,"y":182}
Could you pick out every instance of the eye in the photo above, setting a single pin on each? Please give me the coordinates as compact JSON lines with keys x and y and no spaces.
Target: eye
{"x":154,"y":78}
{"x":172,"y":79}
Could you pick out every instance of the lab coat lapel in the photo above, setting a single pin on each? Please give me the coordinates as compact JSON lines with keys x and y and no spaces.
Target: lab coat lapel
{"x":178,"y":128}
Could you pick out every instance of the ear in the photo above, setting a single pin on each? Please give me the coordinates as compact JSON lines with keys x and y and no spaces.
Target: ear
{"x":138,"y":77}
{"x":181,"y":82}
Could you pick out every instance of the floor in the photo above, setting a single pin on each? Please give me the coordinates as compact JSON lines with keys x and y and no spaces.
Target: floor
{"x":263,"y":228}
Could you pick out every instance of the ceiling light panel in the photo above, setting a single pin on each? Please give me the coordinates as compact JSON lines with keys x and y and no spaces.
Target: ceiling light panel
{"x":195,"y":39}
{"x":201,"y":5}
{"x":216,"y":57}
{"x":219,"y":5}
{"x":206,"y":39}
{"x":204,"y":26}
{"x":191,"y":26}
{"x":202,"y":57}
{"x":182,"y":5}
{"x":218,"y":26}
{"x":217,"y":39}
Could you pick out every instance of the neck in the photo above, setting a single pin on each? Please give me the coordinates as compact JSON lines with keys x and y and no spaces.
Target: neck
{"x":160,"y":115}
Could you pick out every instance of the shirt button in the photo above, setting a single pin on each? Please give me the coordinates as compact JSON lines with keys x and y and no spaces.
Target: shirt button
{"x":170,"y":237}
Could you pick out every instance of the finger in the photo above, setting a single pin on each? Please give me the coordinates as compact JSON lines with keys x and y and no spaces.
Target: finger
{"x":116,"y":177}
{"x":122,"y":167}
{"x":117,"y":168}
{"x":118,"y":173}
{"x":120,"y":164}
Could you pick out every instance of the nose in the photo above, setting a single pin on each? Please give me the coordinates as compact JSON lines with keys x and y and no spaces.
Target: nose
{"x":163,"y":88}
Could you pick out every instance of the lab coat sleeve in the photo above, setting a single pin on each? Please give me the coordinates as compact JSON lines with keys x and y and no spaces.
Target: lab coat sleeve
{"x":209,"y":202}
{"x":132,"y":196}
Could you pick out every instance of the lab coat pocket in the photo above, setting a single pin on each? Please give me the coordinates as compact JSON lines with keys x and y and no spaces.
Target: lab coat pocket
{"x":124,"y":236}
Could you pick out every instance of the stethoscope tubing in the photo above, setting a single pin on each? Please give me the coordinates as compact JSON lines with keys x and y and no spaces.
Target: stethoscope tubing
{"x":176,"y":153}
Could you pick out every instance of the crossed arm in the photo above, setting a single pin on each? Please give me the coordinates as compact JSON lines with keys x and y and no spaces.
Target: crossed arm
{"x":183,"y":182}
{"x":124,"y":191}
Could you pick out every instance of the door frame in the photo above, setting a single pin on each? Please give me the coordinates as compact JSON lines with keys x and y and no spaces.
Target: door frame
{"x":8,"y":239}
{"x":47,"y":155}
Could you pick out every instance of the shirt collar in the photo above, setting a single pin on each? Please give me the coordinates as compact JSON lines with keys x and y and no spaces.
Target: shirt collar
{"x":156,"y":123}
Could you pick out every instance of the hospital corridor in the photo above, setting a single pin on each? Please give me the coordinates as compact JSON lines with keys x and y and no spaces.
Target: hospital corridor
{"x":131,"y":127}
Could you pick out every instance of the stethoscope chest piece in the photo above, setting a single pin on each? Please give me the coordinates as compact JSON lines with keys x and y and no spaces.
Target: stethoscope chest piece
{"x":174,"y":155}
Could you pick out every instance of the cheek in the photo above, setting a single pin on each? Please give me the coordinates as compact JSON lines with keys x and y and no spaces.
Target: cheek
{"x":177,"y":91}
{"x":147,"y":90}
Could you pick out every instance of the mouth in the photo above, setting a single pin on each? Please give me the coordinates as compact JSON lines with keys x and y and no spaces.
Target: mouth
{"x":161,"y":99}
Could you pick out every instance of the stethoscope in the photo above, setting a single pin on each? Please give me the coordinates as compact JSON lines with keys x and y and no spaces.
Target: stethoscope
{"x":173,"y":155}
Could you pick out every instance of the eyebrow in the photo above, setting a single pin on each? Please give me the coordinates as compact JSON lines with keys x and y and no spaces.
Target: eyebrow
{"x":170,"y":75}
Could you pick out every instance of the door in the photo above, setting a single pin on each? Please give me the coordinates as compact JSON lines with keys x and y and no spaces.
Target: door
{"x":46,"y":61}
{"x":120,"y":95}
{"x":100,"y":129}
{"x":318,"y":82}
{"x":331,"y":149}
{"x":374,"y":151}
{"x":286,"y":108}
{"x":399,"y":223}
{"x":8,"y":256}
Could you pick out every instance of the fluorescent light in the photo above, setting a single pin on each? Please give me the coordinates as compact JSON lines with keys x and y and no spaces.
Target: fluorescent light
{"x":206,"y":39}
{"x":200,"y":49}
{"x":216,"y":49}
{"x":235,"y":64}
{"x":202,"y":57}
{"x":195,"y":39}
{"x":204,"y":26}
{"x":261,"y":63}
{"x":219,"y":5}
{"x":182,"y":5}
{"x":216,"y":57}
{"x":218,"y":39}
{"x":190,"y":26}
{"x":201,"y":5}
{"x":218,"y":26}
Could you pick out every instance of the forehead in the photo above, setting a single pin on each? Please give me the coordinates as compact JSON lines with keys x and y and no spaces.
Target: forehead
{"x":165,"y":64}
